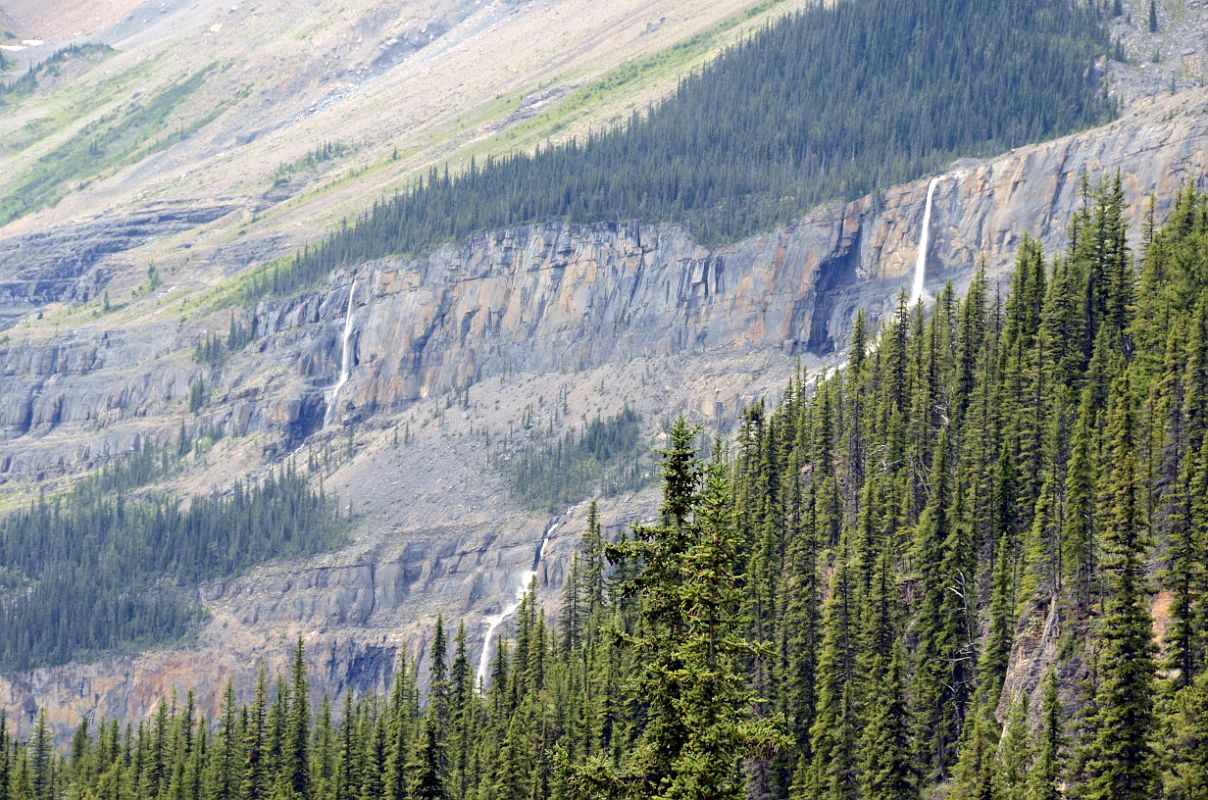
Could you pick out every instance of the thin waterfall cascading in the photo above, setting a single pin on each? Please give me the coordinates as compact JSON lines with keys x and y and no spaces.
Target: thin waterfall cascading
{"x":495,"y":621}
{"x":345,"y":359}
{"x":920,"y":265}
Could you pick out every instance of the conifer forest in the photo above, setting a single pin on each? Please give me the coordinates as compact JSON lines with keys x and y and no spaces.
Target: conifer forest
{"x":830,"y":606}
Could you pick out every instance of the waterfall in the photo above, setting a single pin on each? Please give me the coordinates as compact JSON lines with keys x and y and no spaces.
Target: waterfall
{"x":345,"y":359}
{"x":920,"y":265}
{"x":495,"y":621}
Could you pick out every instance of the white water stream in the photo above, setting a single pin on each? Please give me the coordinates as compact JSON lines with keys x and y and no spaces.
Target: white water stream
{"x":495,"y":621}
{"x":920,"y":265}
{"x":345,"y":360}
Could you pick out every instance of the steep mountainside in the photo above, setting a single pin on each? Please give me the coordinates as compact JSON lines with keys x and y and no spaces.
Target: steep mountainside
{"x":114,"y":269}
{"x":969,"y":565}
{"x":484,"y":330}
{"x":226,"y":104}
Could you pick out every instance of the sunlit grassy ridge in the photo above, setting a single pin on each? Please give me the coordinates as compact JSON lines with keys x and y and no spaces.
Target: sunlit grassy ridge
{"x":115,"y":140}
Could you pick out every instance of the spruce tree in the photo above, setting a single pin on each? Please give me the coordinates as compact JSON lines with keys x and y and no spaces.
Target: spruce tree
{"x":348,"y":773}
{"x":255,"y":778}
{"x":1186,"y":575}
{"x":593,"y":564}
{"x":833,"y":735}
{"x":1079,"y":547}
{"x":395,"y":786}
{"x":429,"y":765}
{"x":323,"y":750}
{"x":714,"y":698}
{"x":297,"y":757}
{"x":993,"y":661}
{"x":1119,"y":755}
{"x":1186,"y":775}
{"x":942,"y":552}
{"x":976,"y":774}
{"x":225,"y":783}
{"x":1015,"y":754}
{"x":660,"y":551}
{"x":1047,"y":774}
{"x":374,"y":749}
{"x":5,"y":763}
{"x":887,"y":768}
{"x":438,"y":677}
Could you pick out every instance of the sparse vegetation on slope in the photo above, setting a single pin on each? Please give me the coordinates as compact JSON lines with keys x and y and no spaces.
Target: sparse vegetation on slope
{"x":325,"y":152}
{"x":50,"y":68}
{"x":605,"y":457}
{"x":114,"y":141}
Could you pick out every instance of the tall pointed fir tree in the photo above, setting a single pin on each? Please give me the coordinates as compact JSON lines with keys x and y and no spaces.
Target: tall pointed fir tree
{"x":1119,"y":759}
{"x":1047,"y":774}
{"x":296,"y":757}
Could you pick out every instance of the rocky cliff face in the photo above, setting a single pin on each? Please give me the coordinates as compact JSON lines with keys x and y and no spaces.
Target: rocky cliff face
{"x":595,"y":315}
{"x":571,"y":298}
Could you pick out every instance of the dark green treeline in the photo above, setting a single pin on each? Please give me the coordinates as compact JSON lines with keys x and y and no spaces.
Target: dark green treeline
{"x":832,"y":102}
{"x":103,"y":568}
{"x":1001,"y":500}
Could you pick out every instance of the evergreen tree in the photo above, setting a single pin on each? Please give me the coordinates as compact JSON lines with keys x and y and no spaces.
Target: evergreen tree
{"x":226,"y":779}
{"x":1186,"y":775}
{"x":714,"y":697}
{"x":1015,"y":753}
{"x":1119,"y":757}
{"x":438,"y":679}
{"x":976,"y":775}
{"x":887,"y":769}
{"x":395,"y":784}
{"x":5,"y":759}
{"x":660,"y":551}
{"x":593,"y":562}
{"x":255,"y":780}
{"x":834,"y":731}
{"x":297,"y":757}
{"x":428,"y":768}
{"x":1046,"y":776}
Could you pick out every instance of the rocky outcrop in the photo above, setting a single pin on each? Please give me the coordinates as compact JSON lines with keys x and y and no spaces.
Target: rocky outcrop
{"x":569,"y":298}
{"x":71,"y":262}
{"x":107,"y":391}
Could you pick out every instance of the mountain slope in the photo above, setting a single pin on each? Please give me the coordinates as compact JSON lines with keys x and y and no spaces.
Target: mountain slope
{"x":133,"y":326}
{"x":827,"y":104}
{"x":832,"y":609}
{"x":455,"y":75}
{"x":453,"y":351}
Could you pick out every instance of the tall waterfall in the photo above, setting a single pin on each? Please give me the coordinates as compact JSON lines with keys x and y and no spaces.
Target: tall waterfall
{"x":920,"y":265}
{"x":495,"y":621}
{"x":345,"y":359}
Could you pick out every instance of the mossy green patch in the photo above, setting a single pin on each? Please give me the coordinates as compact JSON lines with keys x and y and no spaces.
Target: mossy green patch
{"x":117,"y":139}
